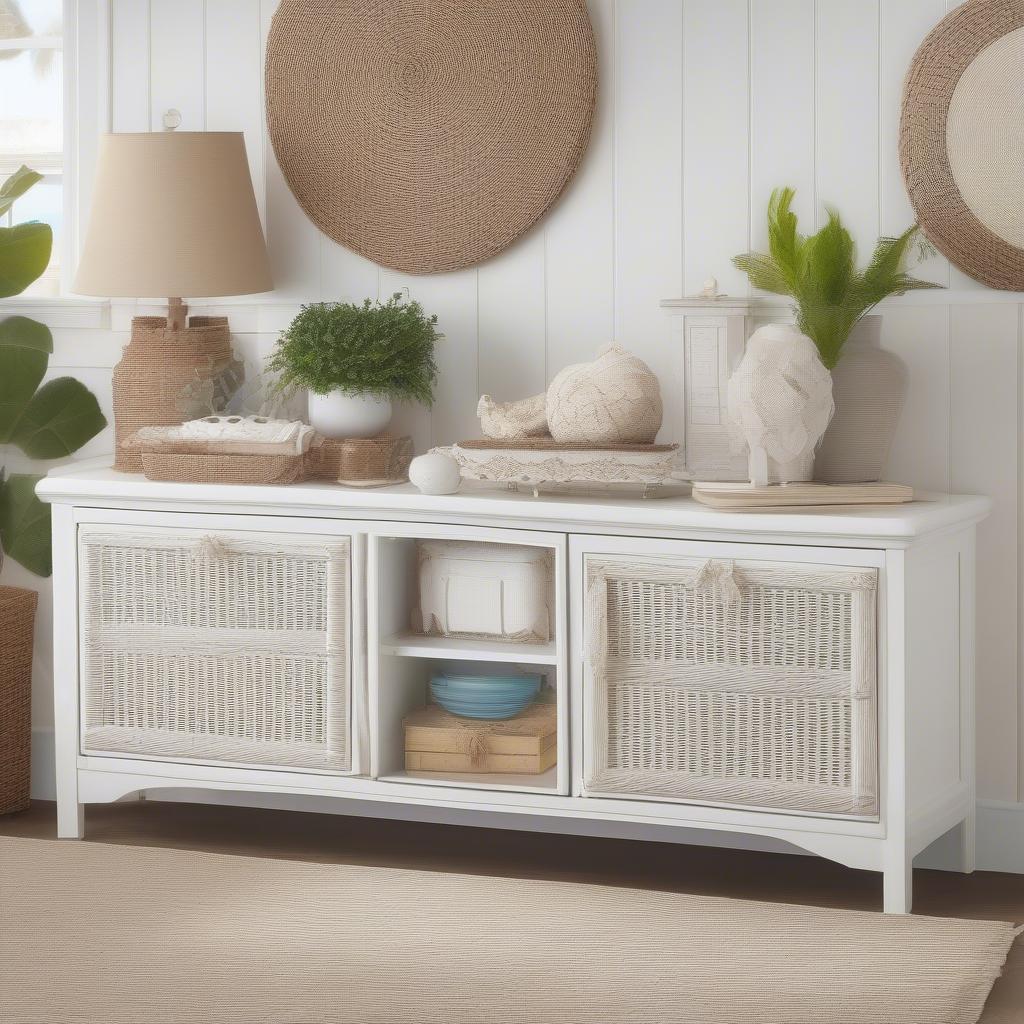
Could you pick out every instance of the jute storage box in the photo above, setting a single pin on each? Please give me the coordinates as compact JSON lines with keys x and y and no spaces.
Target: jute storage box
{"x":437,"y":741}
{"x":478,"y":589}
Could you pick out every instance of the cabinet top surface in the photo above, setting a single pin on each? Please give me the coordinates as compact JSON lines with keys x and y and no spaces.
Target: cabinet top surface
{"x":98,"y":485}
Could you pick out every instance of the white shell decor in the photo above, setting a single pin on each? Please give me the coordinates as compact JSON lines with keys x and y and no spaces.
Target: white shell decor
{"x":513,"y":421}
{"x":615,"y":399}
{"x":780,"y":402}
{"x":435,"y":473}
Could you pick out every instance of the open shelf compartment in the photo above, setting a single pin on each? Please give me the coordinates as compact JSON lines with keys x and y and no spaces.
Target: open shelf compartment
{"x":403,"y":659}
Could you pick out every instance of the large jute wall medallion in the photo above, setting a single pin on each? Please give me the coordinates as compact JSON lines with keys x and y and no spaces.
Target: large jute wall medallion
{"x":962,"y":139}
{"x":427,"y":135}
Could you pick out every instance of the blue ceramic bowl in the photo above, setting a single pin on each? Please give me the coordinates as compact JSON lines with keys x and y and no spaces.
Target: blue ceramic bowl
{"x":487,"y":697}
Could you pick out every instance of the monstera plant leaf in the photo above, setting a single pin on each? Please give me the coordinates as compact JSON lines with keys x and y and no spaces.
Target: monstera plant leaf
{"x":25,"y":347}
{"x":24,"y":255}
{"x":60,"y":417}
{"x":46,"y":422}
{"x":25,"y":523}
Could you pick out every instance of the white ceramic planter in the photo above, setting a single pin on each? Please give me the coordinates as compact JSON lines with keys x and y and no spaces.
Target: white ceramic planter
{"x":341,"y":415}
{"x":869,"y":386}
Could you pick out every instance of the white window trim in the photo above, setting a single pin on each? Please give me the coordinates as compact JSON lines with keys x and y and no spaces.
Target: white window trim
{"x":86,"y":118}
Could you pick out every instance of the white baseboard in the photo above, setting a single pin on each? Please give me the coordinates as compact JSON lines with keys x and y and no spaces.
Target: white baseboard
{"x":1000,"y":824}
{"x":1001,"y":836}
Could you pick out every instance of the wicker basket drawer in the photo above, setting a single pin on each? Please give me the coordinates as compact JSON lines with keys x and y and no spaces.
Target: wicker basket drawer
{"x":748,"y":683}
{"x":226,"y":647}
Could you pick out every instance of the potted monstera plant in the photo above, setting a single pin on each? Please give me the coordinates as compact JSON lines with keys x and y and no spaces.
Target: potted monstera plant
{"x":44,"y":421}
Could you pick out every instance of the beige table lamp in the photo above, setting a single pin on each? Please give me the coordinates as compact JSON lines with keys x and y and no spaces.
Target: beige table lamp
{"x":173,"y":214}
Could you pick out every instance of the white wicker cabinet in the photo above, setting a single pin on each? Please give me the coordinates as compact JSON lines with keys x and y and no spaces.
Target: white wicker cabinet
{"x":801,"y":679}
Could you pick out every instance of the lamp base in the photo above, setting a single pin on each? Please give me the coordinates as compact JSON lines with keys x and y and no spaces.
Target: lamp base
{"x":168,"y":375}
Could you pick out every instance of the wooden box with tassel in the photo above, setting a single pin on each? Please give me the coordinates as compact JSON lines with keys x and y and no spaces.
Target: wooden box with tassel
{"x":437,"y":741}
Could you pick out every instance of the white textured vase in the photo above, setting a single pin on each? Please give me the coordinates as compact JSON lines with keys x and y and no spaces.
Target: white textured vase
{"x":779,"y":404}
{"x":341,"y":415}
{"x":869,"y":387}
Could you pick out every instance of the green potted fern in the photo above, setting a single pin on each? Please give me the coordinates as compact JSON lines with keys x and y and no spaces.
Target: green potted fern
{"x":354,"y":359}
{"x":832,"y":300}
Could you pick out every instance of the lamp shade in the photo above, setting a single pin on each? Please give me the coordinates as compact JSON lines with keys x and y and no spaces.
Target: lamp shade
{"x":173,"y":214}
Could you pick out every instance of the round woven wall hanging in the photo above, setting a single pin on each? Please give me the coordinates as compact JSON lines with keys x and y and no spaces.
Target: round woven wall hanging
{"x":962,"y":139}
{"x":427,"y":135}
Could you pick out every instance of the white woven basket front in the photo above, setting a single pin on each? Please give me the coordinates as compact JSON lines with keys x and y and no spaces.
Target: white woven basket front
{"x":230,"y":647}
{"x":747,"y":683}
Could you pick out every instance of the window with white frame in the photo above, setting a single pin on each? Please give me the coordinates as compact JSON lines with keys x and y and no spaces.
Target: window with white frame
{"x":31,"y":117}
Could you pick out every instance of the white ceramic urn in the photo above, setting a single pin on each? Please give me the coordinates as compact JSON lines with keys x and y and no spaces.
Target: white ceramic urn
{"x":341,"y":415}
{"x":869,"y":385}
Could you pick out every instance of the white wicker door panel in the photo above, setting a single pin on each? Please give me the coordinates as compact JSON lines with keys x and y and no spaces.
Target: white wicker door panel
{"x":747,"y":682}
{"x":216,"y":647}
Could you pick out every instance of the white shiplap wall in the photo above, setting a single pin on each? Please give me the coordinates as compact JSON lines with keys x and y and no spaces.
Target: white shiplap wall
{"x":705,"y":106}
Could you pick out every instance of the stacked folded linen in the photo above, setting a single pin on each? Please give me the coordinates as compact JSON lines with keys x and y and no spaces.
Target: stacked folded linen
{"x":227,"y":435}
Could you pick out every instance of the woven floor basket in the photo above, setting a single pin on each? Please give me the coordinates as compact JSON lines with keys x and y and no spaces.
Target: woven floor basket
{"x":17,"y":629}
{"x":428,"y":137}
{"x":750,"y":683}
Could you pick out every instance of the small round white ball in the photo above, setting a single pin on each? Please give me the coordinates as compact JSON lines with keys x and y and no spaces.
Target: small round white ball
{"x":435,"y":473}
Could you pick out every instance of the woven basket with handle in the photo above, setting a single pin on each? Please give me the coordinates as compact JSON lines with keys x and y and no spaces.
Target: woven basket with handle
{"x":17,"y":627}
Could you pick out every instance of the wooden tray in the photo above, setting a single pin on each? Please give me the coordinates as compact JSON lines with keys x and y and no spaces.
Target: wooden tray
{"x":799,"y":495}
{"x":549,"y":444}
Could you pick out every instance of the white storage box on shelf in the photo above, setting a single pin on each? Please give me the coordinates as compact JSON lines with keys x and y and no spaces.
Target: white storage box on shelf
{"x":215,"y":647}
{"x":743,"y":682}
{"x":501,"y":591}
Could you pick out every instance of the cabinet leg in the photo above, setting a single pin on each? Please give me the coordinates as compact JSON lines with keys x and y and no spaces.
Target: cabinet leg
{"x":70,"y":820}
{"x":968,"y":828}
{"x":898,"y":883}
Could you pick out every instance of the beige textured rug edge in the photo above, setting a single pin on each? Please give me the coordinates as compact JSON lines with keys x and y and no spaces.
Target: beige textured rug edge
{"x":115,"y":933}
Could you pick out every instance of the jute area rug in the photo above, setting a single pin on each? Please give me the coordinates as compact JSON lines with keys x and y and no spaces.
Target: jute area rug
{"x":98,"y":933}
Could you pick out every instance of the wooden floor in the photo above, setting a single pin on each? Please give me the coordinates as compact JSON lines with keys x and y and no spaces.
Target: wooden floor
{"x":328,"y":838}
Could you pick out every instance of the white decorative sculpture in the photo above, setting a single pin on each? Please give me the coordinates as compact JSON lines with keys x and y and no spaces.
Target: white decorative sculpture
{"x":780,"y":402}
{"x":513,"y":421}
{"x":710,"y":289}
{"x":615,"y":399}
{"x":435,"y":473}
